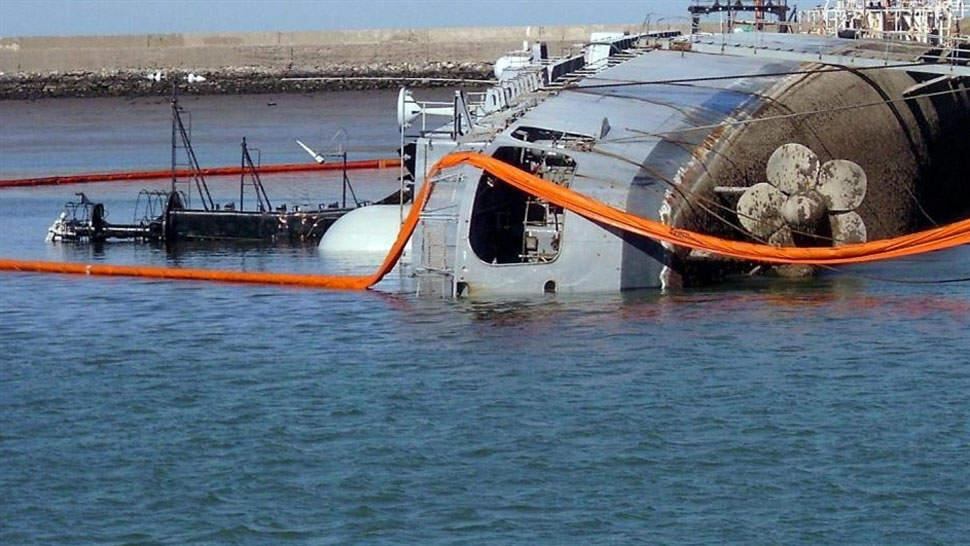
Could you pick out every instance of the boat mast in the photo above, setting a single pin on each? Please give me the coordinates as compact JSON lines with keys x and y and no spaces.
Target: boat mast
{"x":175,"y":105}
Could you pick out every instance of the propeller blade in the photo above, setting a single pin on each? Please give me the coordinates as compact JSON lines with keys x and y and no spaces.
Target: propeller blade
{"x":843,"y":183}
{"x":803,"y":209}
{"x":848,"y":228}
{"x":782,"y":237}
{"x":759,"y":210}
{"x":793,"y":168}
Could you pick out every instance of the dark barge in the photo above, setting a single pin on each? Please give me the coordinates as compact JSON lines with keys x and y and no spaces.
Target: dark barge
{"x":168,"y":215}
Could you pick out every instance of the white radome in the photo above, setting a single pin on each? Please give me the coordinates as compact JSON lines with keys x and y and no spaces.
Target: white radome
{"x":371,"y":229}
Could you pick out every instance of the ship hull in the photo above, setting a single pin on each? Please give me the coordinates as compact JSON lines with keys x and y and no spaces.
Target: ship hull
{"x":667,"y":151}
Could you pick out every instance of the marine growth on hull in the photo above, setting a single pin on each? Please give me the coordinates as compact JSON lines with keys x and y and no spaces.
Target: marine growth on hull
{"x":855,"y":165}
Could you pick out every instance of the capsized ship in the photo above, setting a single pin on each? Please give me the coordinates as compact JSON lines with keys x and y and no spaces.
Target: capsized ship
{"x":789,"y":139}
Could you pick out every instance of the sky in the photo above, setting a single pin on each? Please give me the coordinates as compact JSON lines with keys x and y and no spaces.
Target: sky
{"x":86,"y":17}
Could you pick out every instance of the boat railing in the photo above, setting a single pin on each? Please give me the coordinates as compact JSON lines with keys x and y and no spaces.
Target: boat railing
{"x":518,"y":81}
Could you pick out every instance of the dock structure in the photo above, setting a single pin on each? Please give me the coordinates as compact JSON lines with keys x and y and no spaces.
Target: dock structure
{"x":760,"y":9}
{"x":935,"y":22}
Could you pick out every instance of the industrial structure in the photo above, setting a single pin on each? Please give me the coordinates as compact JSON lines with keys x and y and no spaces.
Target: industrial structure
{"x":766,"y":13}
{"x":935,"y":22}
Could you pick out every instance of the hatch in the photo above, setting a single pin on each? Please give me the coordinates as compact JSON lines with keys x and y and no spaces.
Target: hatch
{"x":509,"y":226}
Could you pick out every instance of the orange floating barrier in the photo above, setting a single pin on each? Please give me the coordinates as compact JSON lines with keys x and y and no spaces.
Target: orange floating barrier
{"x":931,"y":240}
{"x":212,"y":171}
{"x":333,"y":282}
{"x":940,"y":238}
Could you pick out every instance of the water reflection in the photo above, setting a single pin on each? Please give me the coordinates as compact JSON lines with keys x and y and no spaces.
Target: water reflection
{"x":840,"y":296}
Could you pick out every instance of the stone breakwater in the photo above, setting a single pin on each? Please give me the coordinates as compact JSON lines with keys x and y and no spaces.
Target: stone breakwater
{"x":258,"y":62}
{"x":241,"y":80}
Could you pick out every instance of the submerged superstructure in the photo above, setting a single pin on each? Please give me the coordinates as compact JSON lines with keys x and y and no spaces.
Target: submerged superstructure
{"x":780,"y":138}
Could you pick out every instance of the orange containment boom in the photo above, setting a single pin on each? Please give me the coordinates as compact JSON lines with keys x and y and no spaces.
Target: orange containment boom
{"x":333,"y":282}
{"x":940,"y":238}
{"x":212,"y":171}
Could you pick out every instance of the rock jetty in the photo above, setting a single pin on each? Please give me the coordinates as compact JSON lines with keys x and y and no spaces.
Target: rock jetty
{"x":260,"y":62}
{"x":238,"y":80}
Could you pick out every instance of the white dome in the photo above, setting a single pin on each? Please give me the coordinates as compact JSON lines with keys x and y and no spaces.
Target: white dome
{"x":367,"y":230}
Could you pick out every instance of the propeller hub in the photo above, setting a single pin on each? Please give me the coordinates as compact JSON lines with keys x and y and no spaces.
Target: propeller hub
{"x":803,"y":209}
{"x":800,"y":194}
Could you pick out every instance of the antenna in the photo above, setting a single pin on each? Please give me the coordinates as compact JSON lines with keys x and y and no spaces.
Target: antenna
{"x":179,"y":130}
{"x":340,"y":153}
{"x":316,"y":156}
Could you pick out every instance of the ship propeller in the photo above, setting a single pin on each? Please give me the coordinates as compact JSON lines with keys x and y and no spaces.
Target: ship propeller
{"x":800,"y":194}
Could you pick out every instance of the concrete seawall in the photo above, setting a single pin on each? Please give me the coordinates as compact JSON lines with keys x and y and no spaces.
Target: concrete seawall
{"x":37,"y":67}
{"x":268,"y":50}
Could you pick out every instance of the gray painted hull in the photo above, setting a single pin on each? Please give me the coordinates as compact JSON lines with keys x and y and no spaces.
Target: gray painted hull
{"x":660,"y":150}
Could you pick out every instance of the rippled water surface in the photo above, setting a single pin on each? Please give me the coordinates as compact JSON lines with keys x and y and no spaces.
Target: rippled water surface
{"x":138,"y":412}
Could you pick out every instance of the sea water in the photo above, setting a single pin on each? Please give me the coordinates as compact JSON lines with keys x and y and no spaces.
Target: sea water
{"x":833,"y":410}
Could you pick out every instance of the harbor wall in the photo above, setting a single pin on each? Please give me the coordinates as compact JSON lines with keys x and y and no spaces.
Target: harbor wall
{"x":35,"y":67}
{"x":270,"y":50}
